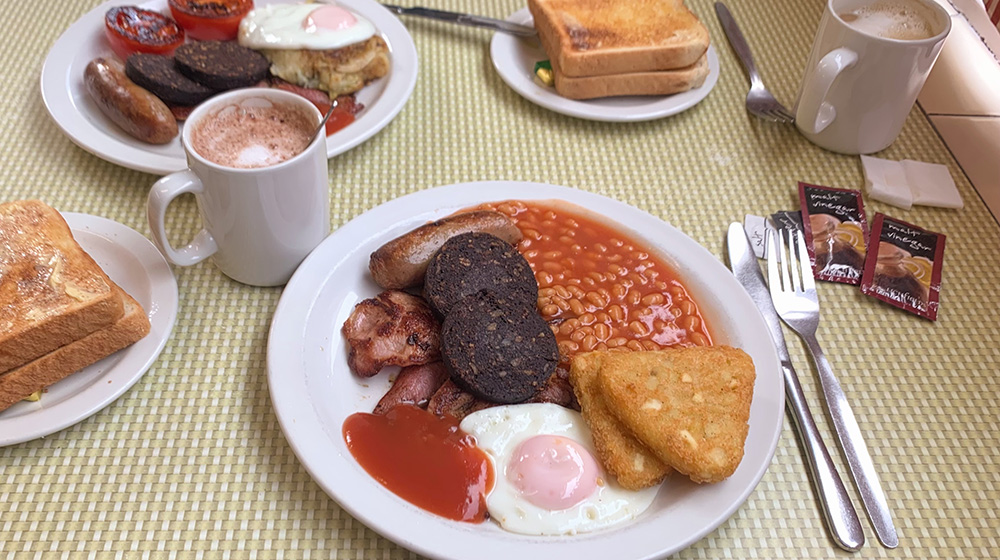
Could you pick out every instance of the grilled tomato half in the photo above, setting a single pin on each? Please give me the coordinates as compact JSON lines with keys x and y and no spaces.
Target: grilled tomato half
{"x":210,"y":20}
{"x":131,"y":29}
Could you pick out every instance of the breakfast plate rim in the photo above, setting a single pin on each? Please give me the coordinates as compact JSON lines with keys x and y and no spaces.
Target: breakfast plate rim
{"x":125,"y":255}
{"x":292,"y":366}
{"x":520,"y":78}
{"x":68,"y":105}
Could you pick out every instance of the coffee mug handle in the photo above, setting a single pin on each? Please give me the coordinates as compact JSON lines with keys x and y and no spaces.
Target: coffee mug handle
{"x":161,"y":195}
{"x":814,"y":113}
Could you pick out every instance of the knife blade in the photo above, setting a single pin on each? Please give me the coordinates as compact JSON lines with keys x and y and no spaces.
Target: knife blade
{"x":838,"y":511}
{"x":464,"y":19}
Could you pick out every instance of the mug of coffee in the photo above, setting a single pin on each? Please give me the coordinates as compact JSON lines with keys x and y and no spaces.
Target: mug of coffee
{"x":260,"y":180}
{"x":868,"y":62}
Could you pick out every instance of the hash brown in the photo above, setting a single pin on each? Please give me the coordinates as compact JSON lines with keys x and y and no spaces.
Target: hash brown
{"x":690,"y":406}
{"x":624,"y":456}
{"x":337,"y":72}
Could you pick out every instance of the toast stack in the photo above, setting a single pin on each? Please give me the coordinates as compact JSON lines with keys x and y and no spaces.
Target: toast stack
{"x":59,"y":312}
{"x":601,"y":48}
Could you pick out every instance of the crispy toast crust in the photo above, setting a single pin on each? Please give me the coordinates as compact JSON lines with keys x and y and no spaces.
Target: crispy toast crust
{"x":664,"y":82}
{"x":52,"y":292}
{"x":42,"y":372}
{"x":600,"y":37}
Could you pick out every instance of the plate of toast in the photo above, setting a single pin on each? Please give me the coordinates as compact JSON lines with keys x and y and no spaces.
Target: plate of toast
{"x":616,"y":82}
{"x":92,"y":305}
{"x":75,"y":112}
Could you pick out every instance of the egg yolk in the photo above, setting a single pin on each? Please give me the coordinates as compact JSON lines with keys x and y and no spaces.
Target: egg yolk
{"x":333,"y":18}
{"x":553,"y":472}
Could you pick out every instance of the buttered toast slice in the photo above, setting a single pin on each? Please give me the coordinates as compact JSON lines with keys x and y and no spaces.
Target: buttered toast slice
{"x":664,"y":82}
{"x":600,"y":37}
{"x":42,"y":372}
{"x":51,"y":291}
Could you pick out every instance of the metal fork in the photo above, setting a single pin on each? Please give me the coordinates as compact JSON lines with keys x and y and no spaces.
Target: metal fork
{"x":760,"y":102}
{"x":793,"y":290}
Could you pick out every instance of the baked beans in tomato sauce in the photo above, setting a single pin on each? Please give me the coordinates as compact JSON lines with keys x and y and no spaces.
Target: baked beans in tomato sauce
{"x":597,"y":287}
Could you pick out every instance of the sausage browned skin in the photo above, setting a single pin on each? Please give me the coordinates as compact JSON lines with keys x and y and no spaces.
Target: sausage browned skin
{"x":402,"y":262}
{"x":414,"y":385}
{"x":138,"y":112}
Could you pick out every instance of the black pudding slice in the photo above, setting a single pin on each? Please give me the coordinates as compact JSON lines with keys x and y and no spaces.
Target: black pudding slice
{"x":471,"y":262}
{"x":159,"y":75}
{"x":221,"y":65}
{"x":499,"y":352}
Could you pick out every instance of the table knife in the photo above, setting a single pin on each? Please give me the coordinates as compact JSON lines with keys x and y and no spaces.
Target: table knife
{"x":464,"y":19}
{"x":838,"y":511}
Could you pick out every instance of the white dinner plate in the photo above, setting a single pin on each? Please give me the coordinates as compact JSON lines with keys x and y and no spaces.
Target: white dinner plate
{"x":514,"y":59}
{"x":77,"y":115}
{"x":136,"y":265}
{"x":313,"y":390}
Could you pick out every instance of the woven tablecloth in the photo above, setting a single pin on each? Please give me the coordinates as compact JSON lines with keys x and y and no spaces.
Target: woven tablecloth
{"x":191,"y":461}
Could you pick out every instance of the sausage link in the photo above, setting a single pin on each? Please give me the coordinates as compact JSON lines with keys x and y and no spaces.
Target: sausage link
{"x":402,"y":262}
{"x":136,"y":111}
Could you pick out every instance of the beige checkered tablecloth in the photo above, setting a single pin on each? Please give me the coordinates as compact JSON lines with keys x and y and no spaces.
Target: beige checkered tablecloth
{"x":191,"y":461}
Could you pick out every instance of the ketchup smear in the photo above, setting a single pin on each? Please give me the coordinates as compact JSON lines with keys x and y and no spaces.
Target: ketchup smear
{"x":424,"y":459}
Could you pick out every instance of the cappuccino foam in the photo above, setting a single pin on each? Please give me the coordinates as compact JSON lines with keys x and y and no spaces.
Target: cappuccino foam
{"x":253,"y":133}
{"x":892,"y":19}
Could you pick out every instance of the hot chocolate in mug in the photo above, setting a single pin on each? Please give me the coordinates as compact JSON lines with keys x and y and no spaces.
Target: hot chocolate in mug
{"x":261,"y":183}
{"x":868,"y":62}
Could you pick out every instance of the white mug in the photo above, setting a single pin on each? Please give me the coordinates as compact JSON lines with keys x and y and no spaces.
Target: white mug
{"x":259,"y":223}
{"x":858,"y":87}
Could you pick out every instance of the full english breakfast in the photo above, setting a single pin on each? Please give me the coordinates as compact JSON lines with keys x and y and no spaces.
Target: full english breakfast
{"x":323,"y":52}
{"x":60,"y":311}
{"x":574,"y":356}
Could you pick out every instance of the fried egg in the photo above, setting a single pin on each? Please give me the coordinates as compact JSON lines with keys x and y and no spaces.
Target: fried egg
{"x":303,"y":26}
{"x":548,"y":481}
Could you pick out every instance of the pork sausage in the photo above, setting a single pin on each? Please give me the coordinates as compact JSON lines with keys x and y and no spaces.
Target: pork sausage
{"x":414,"y":385}
{"x":138,"y":112}
{"x":402,"y":262}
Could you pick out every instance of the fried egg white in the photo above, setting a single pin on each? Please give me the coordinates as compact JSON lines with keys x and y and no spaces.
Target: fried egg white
{"x":548,"y":481}
{"x":303,"y":26}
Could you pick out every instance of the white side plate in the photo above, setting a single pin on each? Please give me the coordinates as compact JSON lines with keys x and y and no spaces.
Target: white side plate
{"x":136,"y":265}
{"x":514,"y":59}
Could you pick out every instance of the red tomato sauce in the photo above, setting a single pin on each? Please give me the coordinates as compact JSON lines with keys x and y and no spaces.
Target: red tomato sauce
{"x":424,"y":459}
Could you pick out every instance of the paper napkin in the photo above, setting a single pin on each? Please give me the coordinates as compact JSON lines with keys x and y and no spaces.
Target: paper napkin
{"x":905,"y":183}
